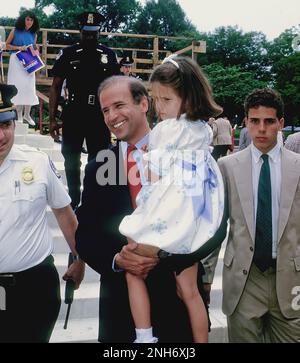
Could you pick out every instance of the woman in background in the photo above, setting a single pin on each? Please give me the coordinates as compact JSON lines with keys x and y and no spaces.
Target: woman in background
{"x":20,"y":37}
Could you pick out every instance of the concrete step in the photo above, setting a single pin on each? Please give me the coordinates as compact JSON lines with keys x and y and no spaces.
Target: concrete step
{"x":21,"y":129}
{"x":86,"y":331}
{"x":83,"y":306}
{"x":39,"y":141}
{"x":20,"y":139}
{"x":55,"y":155}
{"x":78,"y":330}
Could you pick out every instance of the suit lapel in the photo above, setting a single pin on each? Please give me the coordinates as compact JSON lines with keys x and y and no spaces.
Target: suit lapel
{"x":290,"y":178}
{"x":243,"y":180}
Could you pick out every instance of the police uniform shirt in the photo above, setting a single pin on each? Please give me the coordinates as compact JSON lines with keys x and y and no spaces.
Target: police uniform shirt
{"x":29,"y":182}
{"x":84,"y":70}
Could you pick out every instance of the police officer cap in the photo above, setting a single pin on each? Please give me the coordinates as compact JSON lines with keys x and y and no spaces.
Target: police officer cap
{"x":126,"y":61}
{"x":7,"y":110}
{"x":90,"y":21}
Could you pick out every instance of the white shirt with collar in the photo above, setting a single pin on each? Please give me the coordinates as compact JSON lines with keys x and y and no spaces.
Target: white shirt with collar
{"x":275,"y":174}
{"x":25,"y":237}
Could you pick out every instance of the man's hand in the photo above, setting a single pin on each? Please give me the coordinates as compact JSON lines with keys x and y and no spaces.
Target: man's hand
{"x":54,"y":130}
{"x":137,"y":265}
{"x":75,"y":272}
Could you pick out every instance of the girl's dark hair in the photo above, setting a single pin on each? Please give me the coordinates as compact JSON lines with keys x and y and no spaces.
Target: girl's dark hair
{"x":266,"y":97}
{"x":20,"y":23}
{"x":191,"y":85}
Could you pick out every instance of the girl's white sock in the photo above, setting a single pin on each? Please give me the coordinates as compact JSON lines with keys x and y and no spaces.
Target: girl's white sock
{"x":145,"y":336}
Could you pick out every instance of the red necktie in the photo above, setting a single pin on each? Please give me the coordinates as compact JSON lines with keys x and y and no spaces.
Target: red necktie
{"x":133,"y":175}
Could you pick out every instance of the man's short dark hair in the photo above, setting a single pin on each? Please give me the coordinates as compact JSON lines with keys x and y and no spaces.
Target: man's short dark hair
{"x":136,"y":87}
{"x":266,"y":97}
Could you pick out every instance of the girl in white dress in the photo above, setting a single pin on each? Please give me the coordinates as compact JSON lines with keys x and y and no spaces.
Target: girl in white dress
{"x":181,"y":206}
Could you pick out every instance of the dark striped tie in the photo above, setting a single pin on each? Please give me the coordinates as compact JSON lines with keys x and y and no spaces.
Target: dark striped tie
{"x":263,"y":234}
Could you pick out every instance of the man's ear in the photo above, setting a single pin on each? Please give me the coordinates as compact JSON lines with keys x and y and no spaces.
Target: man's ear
{"x":144,"y":104}
{"x":281,"y":122}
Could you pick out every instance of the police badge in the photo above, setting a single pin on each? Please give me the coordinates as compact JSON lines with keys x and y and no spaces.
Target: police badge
{"x":27,"y":175}
{"x":104,"y":58}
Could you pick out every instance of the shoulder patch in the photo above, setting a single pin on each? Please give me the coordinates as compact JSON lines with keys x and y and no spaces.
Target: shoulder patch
{"x":52,"y":166}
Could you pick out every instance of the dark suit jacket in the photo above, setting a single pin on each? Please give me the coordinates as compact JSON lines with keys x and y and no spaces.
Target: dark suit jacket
{"x":98,"y":240}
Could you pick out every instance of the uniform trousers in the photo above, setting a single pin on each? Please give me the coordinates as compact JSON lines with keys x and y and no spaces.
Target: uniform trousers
{"x":220,"y":151}
{"x":32,"y":304}
{"x":79,"y":125}
{"x":257,"y":317}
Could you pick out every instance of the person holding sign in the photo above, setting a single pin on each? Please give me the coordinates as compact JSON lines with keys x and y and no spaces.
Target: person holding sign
{"x":23,"y":35}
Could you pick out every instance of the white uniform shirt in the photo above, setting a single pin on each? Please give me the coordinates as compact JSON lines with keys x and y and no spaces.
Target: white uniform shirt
{"x":25,"y":238}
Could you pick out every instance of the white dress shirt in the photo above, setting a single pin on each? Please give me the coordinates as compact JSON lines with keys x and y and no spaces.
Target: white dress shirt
{"x":275,"y":174}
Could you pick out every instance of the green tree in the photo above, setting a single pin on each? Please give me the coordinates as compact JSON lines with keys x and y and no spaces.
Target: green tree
{"x":119,"y":14}
{"x":287,"y":81}
{"x":163,"y":17}
{"x":230,"y":46}
{"x":231,"y":85}
{"x":282,"y":45}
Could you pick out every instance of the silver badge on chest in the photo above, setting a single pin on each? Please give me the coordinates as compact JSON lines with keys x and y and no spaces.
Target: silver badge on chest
{"x":104,"y":58}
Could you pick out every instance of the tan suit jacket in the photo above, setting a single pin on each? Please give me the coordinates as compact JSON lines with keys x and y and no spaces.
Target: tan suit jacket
{"x":237,"y":173}
{"x":222,"y":132}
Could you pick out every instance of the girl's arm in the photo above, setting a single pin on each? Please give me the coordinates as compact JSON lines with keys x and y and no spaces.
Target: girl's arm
{"x":10,"y":46}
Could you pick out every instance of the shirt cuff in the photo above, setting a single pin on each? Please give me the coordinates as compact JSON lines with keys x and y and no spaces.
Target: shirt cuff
{"x":115,"y":269}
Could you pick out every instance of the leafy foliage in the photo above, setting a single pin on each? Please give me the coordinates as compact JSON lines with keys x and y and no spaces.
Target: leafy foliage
{"x":231,"y":85}
{"x":287,"y":81}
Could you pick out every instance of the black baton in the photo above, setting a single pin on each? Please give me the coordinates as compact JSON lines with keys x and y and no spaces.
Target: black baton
{"x":69,"y":291}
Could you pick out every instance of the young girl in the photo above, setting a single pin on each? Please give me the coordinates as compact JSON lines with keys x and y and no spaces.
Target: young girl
{"x":22,"y":35}
{"x":182,"y":206}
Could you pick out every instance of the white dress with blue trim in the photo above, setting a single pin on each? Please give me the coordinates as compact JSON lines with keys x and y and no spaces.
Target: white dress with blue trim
{"x":182,"y":210}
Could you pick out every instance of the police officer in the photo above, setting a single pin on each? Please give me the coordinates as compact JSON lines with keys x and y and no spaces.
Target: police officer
{"x":126,"y":64}
{"x":84,"y":66}
{"x":29,"y":282}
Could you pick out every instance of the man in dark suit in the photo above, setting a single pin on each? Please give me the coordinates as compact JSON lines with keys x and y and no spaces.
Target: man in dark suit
{"x":106,"y":200}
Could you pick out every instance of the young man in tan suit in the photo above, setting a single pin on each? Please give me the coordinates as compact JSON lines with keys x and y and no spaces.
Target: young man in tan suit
{"x":261,"y":273}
